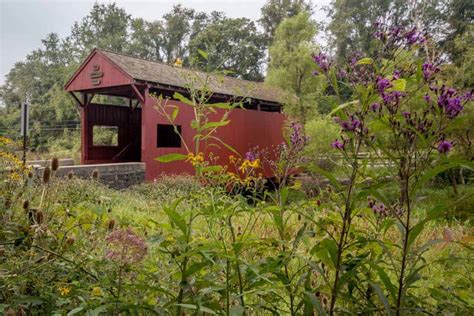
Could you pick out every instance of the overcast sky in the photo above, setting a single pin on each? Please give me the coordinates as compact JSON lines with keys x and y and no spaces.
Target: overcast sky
{"x":23,"y":23}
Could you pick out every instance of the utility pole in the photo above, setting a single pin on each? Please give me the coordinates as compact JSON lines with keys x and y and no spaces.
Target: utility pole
{"x":25,"y":117}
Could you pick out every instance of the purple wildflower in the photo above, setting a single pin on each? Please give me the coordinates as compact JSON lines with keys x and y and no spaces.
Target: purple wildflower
{"x":414,"y":37}
{"x":450,"y":102}
{"x":375,"y":107}
{"x":250,"y":156}
{"x":444,"y":146}
{"x":350,"y":125}
{"x":297,"y":137}
{"x":337,"y":144}
{"x":406,"y":114}
{"x":125,"y":247}
{"x":427,"y":98}
{"x":322,"y":60}
{"x":396,"y":74}
{"x":382,"y":84}
{"x":429,"y":70}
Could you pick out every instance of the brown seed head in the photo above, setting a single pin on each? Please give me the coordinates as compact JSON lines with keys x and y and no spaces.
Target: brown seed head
{"x":55,"y":164}
{"x":111,"y":224}
{"x":95,"y":174}
{"x":70,"y":175}
{"x":26,"y":205}
{"x":70,"y":241}
{"x":39,"y":216}
{"x":46,"y":175}
{"x":30,"y":174}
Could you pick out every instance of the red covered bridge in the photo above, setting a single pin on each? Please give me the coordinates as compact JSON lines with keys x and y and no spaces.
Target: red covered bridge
{"x":142,"y":134}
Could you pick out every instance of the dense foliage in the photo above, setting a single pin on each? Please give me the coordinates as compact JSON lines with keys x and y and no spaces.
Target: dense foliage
{"x":388,"y":231}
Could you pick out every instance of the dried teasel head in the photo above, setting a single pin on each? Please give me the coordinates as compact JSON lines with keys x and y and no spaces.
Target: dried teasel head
{"x":39,"y":216}
{"x":26,"y":205}
{"x":111,"y":224}
{"x":70,"y":241}
{"x":46,"y":175}
{"x":55,"y":164}
{"x":30,"y":174}
{"x":70,"y":175}
{"x":95,"y":174}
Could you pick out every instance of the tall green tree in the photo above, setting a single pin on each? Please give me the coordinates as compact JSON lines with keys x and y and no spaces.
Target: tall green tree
{"x":275,"y":11}
{"x":232,"y":45}
{"x":106,"y":26}
{"x":291,"y":65}
{"x":351,"y":21}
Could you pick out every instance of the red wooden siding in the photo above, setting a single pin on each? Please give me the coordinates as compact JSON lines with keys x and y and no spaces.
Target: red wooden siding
{"x":128,"y":123}
{"x":111,"y":75}
{"x":247,"y":129}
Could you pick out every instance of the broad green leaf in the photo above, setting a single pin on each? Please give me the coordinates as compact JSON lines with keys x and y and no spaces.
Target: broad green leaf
{"x":174,"y":115}
{"x":445,"y":165}
{"x":215,"y":124}
{"x":365,"y":61}
{"x":75,"y":311}
{"x":182,"y":98}
{"x":195,"y":268}
{"x":316,"y":303}
{"x":342,"y":106}
{"x":399,"y":84}
{"x":386,"y":281}
{"x":170,"y":157}
{"x":177,"y":219}
{"x":204,"y":54}
{"x":382,"y":298}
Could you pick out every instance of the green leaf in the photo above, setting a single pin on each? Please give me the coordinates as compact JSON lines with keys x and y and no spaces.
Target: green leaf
{"x":316,"y":303}
{"x":204,"y":54}
{"x":386,"y":281}
{"x":399,"y":85}
{"x":170,"y":157}
{"x":182,"y":98}
{"x":365,"y":61}
{"x":177,"y":219}
{"x":215,"y":124}
{"x":225,"y":106}
{"x":445,"y":165}
{"x":174,"y":114}
{"x":195,"y":268}
{"x":382,"y":298}
{"x":342,"y":106}
{"x":75,"y":311}
{"x":414,"y":232}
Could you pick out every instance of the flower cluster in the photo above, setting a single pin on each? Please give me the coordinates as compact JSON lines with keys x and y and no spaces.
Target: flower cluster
{"x":444,"y":146}
{"x":297,"y":138}
{"x":125,"y":247}
{"x":337,"y":144}
{"x":195,"y":159}
{"x":323,"y":61}
{"x":394,"y":35}
{"x":450,"y":101}
{"x":429,"y":70}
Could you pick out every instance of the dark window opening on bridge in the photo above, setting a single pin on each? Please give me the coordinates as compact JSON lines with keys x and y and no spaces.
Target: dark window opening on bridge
{"x":104,"y":135}
{"x":167,"y":136}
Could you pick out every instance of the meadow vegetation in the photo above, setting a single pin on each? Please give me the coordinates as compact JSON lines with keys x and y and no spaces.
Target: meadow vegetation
{"x":389,"y":231}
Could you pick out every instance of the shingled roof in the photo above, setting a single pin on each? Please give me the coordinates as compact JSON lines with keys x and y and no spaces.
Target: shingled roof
{"x":160,"y":73}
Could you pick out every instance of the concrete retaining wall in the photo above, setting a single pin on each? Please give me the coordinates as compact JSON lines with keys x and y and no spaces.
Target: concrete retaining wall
{"x":115,"y":175}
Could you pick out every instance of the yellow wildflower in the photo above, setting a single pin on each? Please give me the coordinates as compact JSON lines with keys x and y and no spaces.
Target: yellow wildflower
{"x":64,"y":290}
{"x":178,"y":62}
{"x":96,"y":291}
